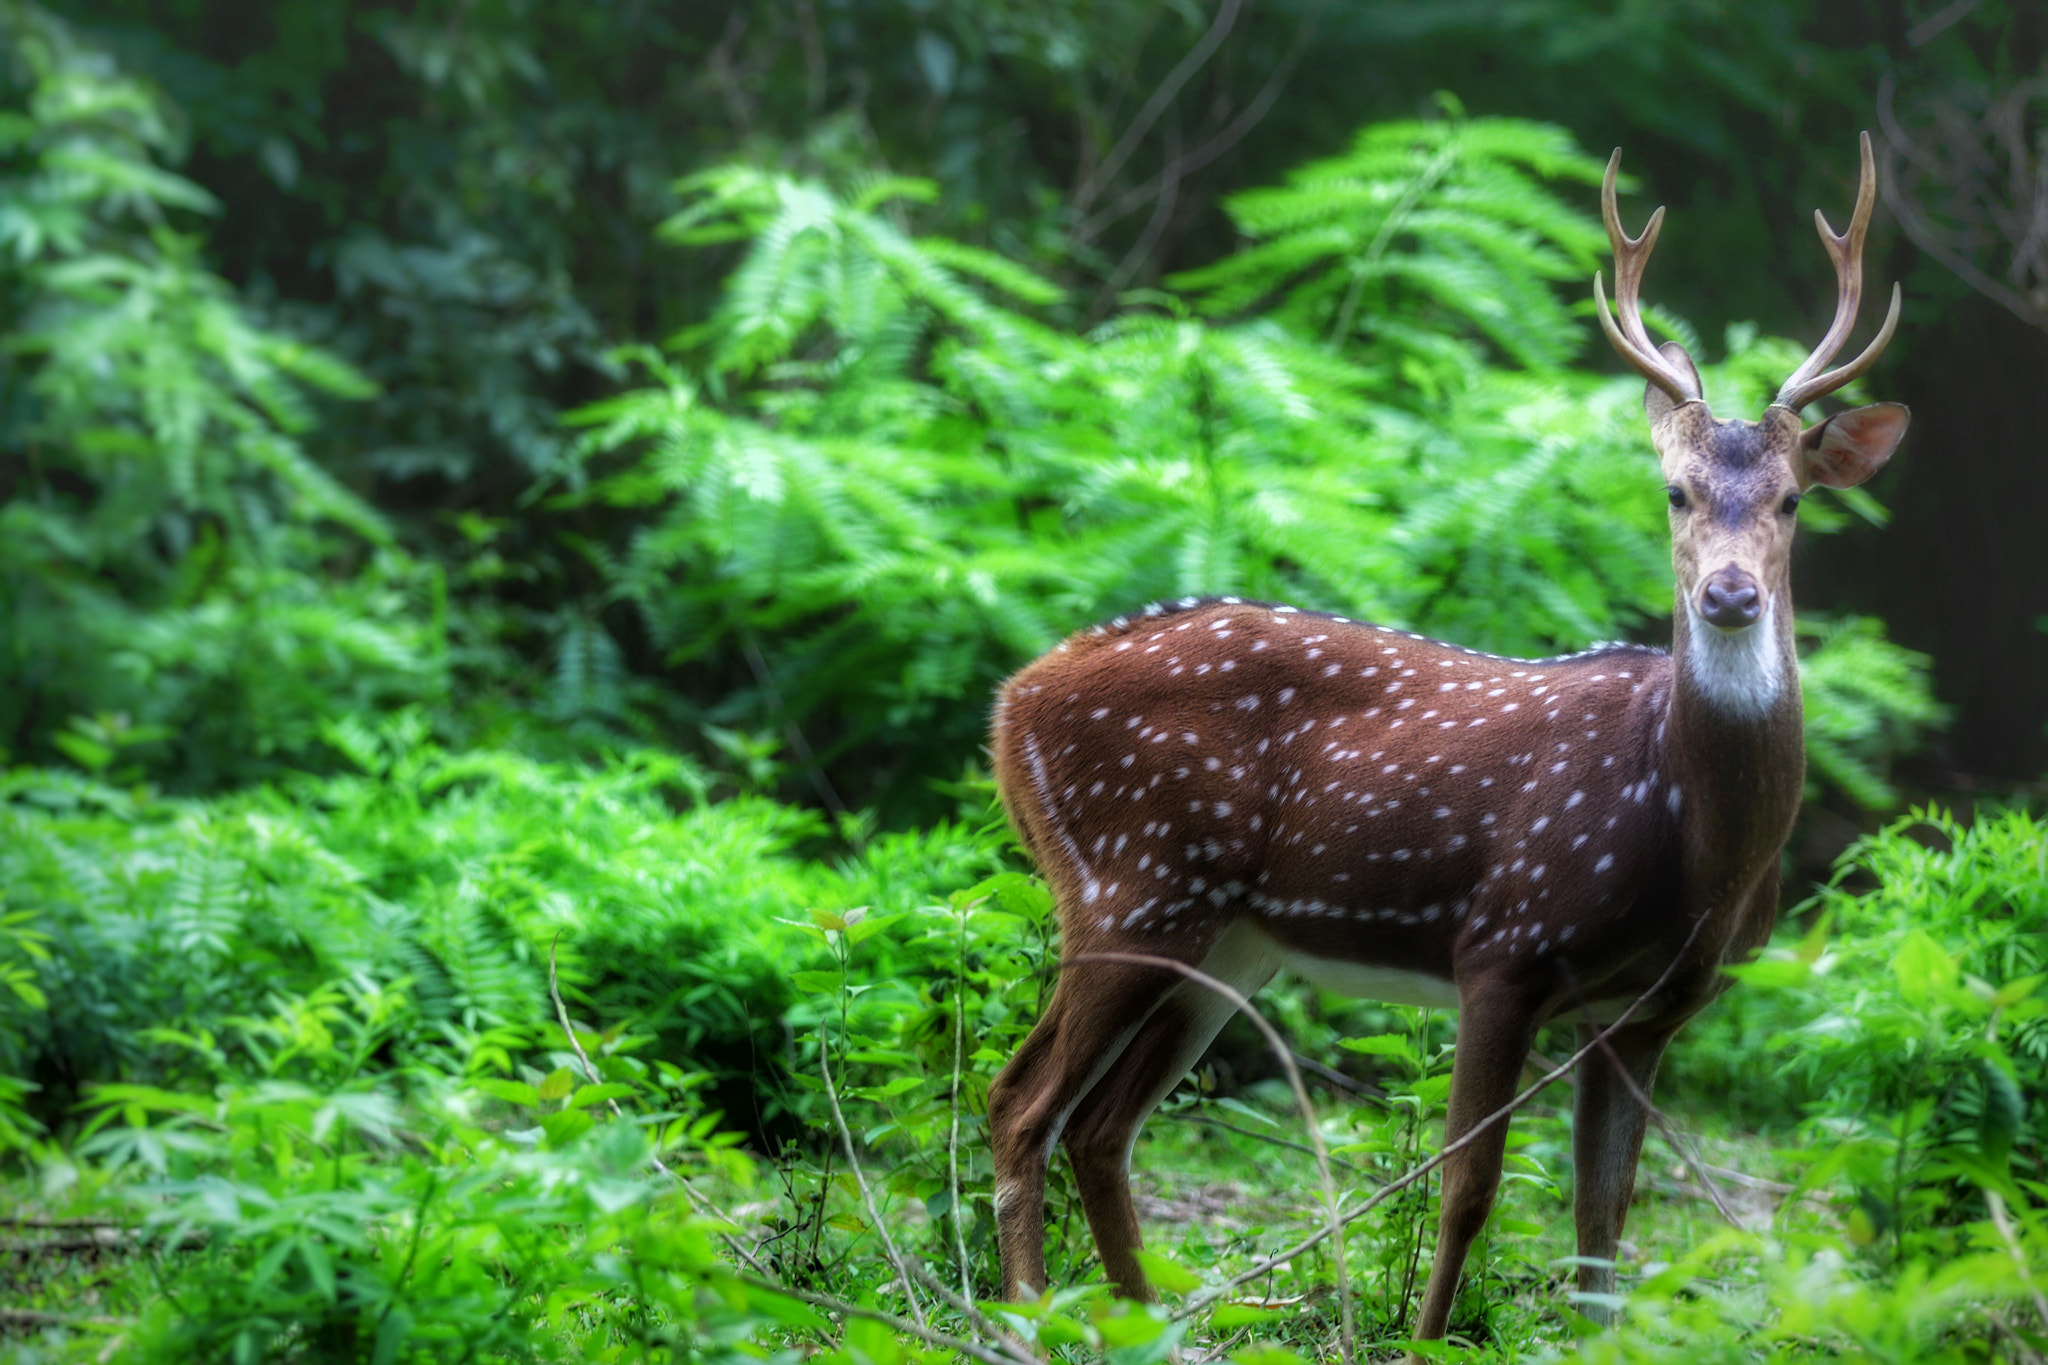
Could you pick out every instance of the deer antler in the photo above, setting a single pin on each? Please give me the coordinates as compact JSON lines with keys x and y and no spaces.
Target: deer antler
{"x":1631,"y":341}
{"x":1846,"y":251}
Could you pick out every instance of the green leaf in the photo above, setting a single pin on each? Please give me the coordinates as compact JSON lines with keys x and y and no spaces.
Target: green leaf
{"x":1237,"y":1106}
{"x":1264,"y":1353}
{"x":558,"y":1085}
{"x":587,"y":1095}
{"x":513,"y":1092}
{"x":91,"y":756}
{"x":1168,"y":1277}
{"x":1771,"y":973}
{"x":2005,"y":1110}
{"x":564,"y":1126}
{"x":1923,"y":968}
{"x":1383,"y":1045}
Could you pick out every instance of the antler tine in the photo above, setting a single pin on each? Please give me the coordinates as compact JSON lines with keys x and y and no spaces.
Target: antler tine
{"x":1845,"y":249}
{"x":1630,"y":339}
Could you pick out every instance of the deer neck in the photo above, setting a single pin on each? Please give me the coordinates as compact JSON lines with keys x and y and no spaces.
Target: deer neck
{"x":1735,"y":742}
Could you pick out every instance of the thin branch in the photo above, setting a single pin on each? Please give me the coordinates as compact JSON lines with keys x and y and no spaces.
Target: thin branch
{"x":860,"y":1179}
{"x":1338,"y":1080}
{"x":1926,"y":235}
{"x":1231,"y":134}
{"x":37,"y":1220}
{"x":1226,"y":15}
{"x":1270,"y":1139}
{"x":1657,"y":1116}
{"x":2001,"y":1220}
{"x":35,"y":1317}
{"x":1200,"y":1301}
{"x":2027,"y":1354}
{"x":1308,"y":1115}
{"x":953,"y":1132}
{"x":1932,"y":27}
{"x":1162,"y":213}
{"x":72,"y":1239}
{"x":792,"y":732}
{"x":694,"y":1195}
{"x":971,"y":1349}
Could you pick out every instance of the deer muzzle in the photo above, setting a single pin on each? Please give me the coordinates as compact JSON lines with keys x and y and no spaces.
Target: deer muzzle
{"x":1731,"y":599}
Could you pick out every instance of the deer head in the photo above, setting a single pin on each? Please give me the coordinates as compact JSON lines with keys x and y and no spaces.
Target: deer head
{"x":1734,"y":486}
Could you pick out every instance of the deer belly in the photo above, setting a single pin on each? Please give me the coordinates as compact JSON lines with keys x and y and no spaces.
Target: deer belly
{"x":1395,"y":985}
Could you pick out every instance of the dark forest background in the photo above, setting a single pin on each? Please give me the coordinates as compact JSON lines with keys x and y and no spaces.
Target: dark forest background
{"x":461,"y":202}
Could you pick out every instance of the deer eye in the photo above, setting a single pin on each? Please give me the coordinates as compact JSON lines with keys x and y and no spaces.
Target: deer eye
{"x":1677,"y":496}
{"x":1790,"y":505}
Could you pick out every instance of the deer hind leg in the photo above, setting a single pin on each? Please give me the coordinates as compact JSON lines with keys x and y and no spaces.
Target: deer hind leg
{"x":1607,"y":1139}
{"x":1496,"y":1025}
{"x":1104,"y":1127}
{"x":1095,"y":1012}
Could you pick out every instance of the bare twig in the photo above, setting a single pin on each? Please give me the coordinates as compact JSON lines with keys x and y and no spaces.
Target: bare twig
{"x":1204,"y":48}
{"x":2002,"y":1220}
{"x":1932,"y":27}
{"x":1196,"y":1303}
{"x":1754,"y":1182}
{"x":731,"y":88}
{"x":1960,"y":164}
{"x":2027,"y":1354}
{"x":690,"y":1192}
{"x":867,"y":1196}
{"x":1657,"y":1116}
{"x":793,"y":732}
{"x":1162,"y":213}
{"x":973,"y":1350}
{"x":1270,"y":1139}
{"x":953,"y":1131}
{"x":1223,"y":1348}
{"x":37,"y":1220}
{"x":35,"y":1317}
{"x":71,"y":1239}
{"x":1231,"y":134}
{"x":1308,"y":1115}
{"x":1339,"y":1080}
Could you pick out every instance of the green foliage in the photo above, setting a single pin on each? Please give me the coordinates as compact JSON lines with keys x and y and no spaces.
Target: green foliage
{"x":348,"y":683}
{"x":445,"y":876}
{"x":1421,"y":234}
{"x":1910,"y":1022}
{"x":301,"y":1208}
{"x":162,"y":562}
{"x":1866,"y":699}
{"x":885,"y":484}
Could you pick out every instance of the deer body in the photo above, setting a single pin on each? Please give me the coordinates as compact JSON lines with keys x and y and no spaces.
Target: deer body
{"x":1241,"y":786}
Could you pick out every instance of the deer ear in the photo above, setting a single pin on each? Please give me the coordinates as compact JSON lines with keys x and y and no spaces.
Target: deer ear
{"x":1849,"y":447}
{"x":1656,"y":402}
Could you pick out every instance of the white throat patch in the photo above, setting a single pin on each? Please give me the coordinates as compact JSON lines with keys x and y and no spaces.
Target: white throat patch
{"x":1741,"y":671}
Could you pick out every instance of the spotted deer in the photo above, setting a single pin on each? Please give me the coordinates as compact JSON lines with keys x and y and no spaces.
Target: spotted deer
{"x":1241,"y":787}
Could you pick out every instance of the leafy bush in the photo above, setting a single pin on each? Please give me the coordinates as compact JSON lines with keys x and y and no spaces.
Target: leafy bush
{"x":882,"y":477}
{"x":300,"y":1209}
{"x":1908,"y":1023}
{"x":448,"y":877}
{"x":162,"y":543}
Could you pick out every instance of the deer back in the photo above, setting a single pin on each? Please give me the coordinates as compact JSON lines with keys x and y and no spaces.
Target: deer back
{"x":1364,"y":795}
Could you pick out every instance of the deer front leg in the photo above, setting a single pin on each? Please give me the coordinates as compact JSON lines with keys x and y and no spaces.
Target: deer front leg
{"x":1496,"y":1024}
{"x":1607,"y":1140}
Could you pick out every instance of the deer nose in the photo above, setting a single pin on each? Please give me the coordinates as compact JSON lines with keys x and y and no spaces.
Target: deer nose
{"x":1731,"y":599}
